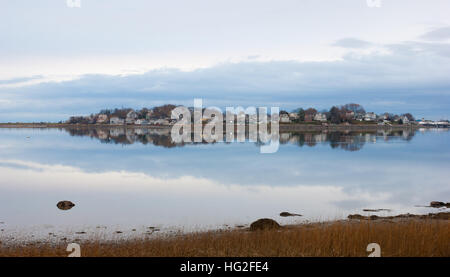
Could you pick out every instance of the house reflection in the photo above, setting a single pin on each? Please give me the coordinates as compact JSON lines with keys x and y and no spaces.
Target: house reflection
{"x":346,"y":140}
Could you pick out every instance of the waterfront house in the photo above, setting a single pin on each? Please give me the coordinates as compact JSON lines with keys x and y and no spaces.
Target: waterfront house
{"x":131,"y":117}
{"x":116,"y":121}
{"x":359,"y":117}
{"x":102,"y":118}
{"x":293,"y":116}
{"x":161,"y":121}
{"x":90,"y":119}
{"x":404,"y":119}
{"x":284,"y":118}
{"x":370,"y":117}
{"x":320,"y":117}
{"x":141,"y":122}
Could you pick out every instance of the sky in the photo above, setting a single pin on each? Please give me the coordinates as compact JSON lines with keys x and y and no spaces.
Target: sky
{"x":59,"y":60}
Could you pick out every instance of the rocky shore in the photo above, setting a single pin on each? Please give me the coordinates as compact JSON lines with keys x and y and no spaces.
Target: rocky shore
{"x":398,"y":236}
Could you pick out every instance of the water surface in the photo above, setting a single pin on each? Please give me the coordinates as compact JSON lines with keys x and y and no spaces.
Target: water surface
{"x":132,"y":178}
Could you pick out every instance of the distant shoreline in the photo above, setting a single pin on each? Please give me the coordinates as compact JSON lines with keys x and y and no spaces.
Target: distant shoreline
{"x":290,"y":127}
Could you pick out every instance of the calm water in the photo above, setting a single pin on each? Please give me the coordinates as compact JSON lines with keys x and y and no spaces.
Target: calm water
{"x":133,"y":179}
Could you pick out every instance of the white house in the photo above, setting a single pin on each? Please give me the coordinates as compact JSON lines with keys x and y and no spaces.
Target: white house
{"x":293,"y":116}
{"x":370,"y":117}
{"x":131,"y":117}
{"x":102,"y":118}
{"x":359,"y":117}
{"x":162,"y":121}
{"x":116,"y":121}
{"x":284,"y":118}
{"x":141,"y":122}
{"x":320,"y":117}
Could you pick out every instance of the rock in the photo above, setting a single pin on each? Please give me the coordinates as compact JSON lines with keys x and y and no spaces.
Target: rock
{"x":286,"y":214}
{"x":264,"y":224}
{"x":437,"y":204}
{"x":65,"y":205}
{"x":356,"y":216}
{"x":443,"y":215}
{"x":376,"y":210}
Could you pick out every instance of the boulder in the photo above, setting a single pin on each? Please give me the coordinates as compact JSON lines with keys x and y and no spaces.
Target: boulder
{"x":356,"y":216}
{"x":65,"y":205}
{"x":438,"y":204}
{"x":286,"y":214}
{"x":264,"y":224}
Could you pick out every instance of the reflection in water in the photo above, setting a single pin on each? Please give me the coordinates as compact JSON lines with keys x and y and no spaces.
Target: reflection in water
{"x":209,"y":185}
{"x":346,"y":140}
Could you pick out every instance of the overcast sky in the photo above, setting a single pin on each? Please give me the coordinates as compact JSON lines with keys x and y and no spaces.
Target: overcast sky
{"x":56,"y":60}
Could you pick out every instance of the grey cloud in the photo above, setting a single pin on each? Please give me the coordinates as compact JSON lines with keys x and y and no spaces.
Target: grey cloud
{"x":438,"y":34}
{"x":20,"y":80}
{"x":415,"y":75}
{"x":415,"y":48}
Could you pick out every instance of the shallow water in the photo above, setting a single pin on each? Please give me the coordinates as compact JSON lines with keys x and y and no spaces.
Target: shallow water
{"x":126,"y":179}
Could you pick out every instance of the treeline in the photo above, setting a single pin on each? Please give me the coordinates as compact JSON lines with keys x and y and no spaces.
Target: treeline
{"x":104,"y":115}
{"x":345,"y":113}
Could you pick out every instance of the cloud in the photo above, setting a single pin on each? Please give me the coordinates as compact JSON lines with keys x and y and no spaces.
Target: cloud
{"x":191,"y":192}
{"x":21,"y":80}
{"x":412,"y":73}
{"x":414,"y":48}
{"x":438,"y":34}
{"x":180,"y":197}
{"x":352,"y":43}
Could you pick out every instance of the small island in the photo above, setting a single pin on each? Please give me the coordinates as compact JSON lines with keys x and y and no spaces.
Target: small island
{"x":348,"y":116}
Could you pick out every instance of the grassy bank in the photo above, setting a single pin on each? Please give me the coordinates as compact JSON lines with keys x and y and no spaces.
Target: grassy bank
{"x":428,"y":238}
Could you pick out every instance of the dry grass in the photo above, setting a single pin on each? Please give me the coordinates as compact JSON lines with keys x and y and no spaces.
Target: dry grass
{"x":429,"y":238}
